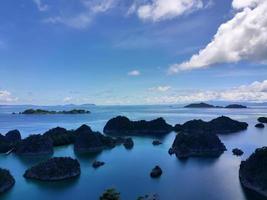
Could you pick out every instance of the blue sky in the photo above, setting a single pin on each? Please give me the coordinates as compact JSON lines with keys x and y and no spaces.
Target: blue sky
{"x":130,"y":52}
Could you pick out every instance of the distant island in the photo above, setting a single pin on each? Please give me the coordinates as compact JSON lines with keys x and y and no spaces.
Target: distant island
{"x":42,"y":112}
{"x":205,"y":105}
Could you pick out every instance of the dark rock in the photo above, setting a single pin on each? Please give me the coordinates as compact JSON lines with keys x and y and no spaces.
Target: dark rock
{"x":87,"y":141}
{"x":122,"y":125}
{"x":171,"y":151}
{"x":235,"y":106}
{"x":54,"y":169}
{"x":35,"y":145}
{"x":253,"y":172}
{"x":5,"y":145}
{"x":262,"y":120}
{"x":149,"y":197}
{"x":128,"y":143}
{"x":97,"y":164}
{"x":156,"y":172}
{"x":237,"y":152}
{"x":197,"y":144}
{"x":156,"y":142}
{"x":259,"y":125}
{"x":220,"y":125}
{"x":110,"y":194}
{"x":13,"y":136}
{"x":6,"y":180}
{"x":60,"y":136}
{"x":199,"y":105}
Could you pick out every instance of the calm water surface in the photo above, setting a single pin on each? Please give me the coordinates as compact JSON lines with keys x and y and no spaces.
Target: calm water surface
{"x":128,"y":171}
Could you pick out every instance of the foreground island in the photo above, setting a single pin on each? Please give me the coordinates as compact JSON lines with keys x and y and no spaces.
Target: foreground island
{"x":253,"y":172}
{"x":219,"y":125}
{"x":197,"y":145}
{"x":54,"y":169}
{"x":123,"y":126}
{"x":6,"y":180}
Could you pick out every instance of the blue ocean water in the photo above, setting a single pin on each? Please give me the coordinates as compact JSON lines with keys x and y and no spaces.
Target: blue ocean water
{"x":128,"y":170}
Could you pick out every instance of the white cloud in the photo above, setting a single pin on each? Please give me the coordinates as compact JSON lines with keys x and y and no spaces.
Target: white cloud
{"x":67,"y":99}
{"x":158,"y":10}
{"x":254,"y":92}
{"x":82,"y":19}
{"x":160,"y":88}
{"x":134,"y":73}
{"x":241,"y":38}
{"x":40,"y":5}
{"x":6,"y":97}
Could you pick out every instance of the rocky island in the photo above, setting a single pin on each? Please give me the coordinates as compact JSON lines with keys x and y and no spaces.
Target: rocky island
{"x":253,"y":172}
{"x":205,"y":105}
{"x":262,"y":120}
{"x":220,"y":125}
{"x":9,"y":141}
{"x":235,"y":106}
{"x":43,"y":112}
{"x":197,"y":144}
{"x":237,"y":152}
{"x":110,"y":194}
{"x":54,"y":169}
{"x":35,"y":145}
{"x":88,"y":141}
{"x":156,"y":172}
{"x":259,"y":125}
{"x":123,"y":126}
{"x":60,"y":136}
{"x":6,"y":180}
{"x":199,"y":105}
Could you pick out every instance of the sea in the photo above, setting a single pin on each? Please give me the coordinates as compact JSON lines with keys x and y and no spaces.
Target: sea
{"x":128,"y":171}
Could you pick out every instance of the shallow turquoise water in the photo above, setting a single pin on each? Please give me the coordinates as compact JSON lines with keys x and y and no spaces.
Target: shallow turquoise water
{"x":128,"y":171}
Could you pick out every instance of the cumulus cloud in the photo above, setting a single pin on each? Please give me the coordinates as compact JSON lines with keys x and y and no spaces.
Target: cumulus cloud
{"x":67,"y":99}
{"x":158,"y":10}
{"x":160,"y":88}
{"x":134,"y":73}
{"x":40,"y":5}
{"x":254,"y":92}
{"x":6,"y":97}
{"x":82,"y":19}
{"x":241,"y":38}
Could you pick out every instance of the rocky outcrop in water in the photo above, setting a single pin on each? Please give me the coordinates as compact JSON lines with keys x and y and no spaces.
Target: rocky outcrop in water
{"x":262,"y":120}
{"x":253,"y":172}
{"x":60,"y":136}
{"x":235,"y":106}
{"x":149,"y":197}
{"x":128,"y":143}
{"x":110,"y":194}
{"x":156,"y":172}
{"x":220,"y":125}
{"x":156,"y":142}
{"x":237,"y":152}
{"x":197,"y":144}
{"x":199,"y":105}
{"x":97,"y":164}
{"x":54,"y":169}
{"x":123,"y":126}
{"x":35,"y":145}
{"x":88,"y":141}
{"x":42,"y":112}
{"x":5,"y":146}
{"x":259,"y":125}
{"x":6,"y":180}
{"x":13,"y":136}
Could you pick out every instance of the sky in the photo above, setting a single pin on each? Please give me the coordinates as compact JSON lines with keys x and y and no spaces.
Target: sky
{"x":132,"y":51}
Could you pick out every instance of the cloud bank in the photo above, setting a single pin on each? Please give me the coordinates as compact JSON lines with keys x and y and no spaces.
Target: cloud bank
{"x":254,"y":92}
{"x":241,"y":38}
{"x":6,"y":97}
